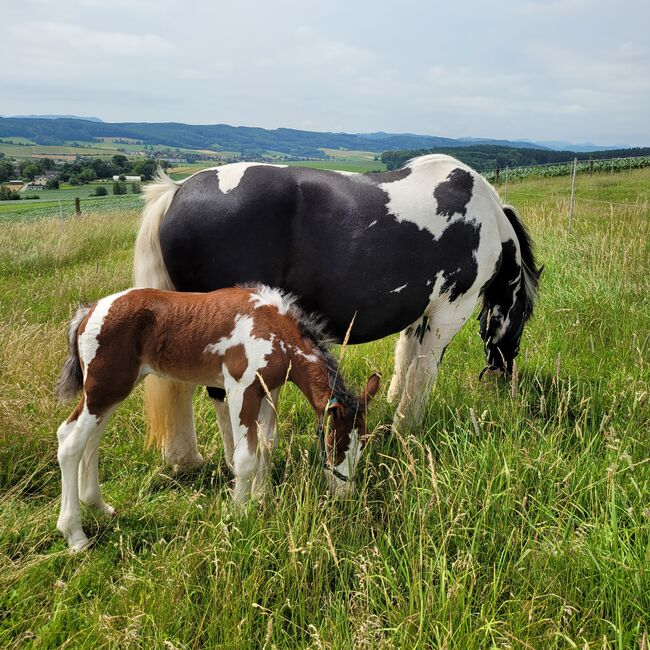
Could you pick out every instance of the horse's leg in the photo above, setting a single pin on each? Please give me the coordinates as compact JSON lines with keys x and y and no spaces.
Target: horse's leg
{"x":267,"y":441}
{"x":244,"y":407}
{"x":73,"y":436}
{"x":404,"y":351}
{"x":429,"y":346}
{"x":218,"y":397}
{"x":168,"y":406}
{"x":89,"y":490}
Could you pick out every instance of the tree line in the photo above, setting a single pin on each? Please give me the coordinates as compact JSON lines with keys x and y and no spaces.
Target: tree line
{"x":486,"y":157}
{"x":79,"y":172}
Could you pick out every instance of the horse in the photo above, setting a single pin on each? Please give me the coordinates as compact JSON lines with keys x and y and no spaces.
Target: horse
{"x":409,"y":251}
{"x":245,"y":341}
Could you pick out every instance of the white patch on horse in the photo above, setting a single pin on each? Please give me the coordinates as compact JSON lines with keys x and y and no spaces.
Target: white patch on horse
{"x":411,"y":198}
{"x":398,"y":289}
{"x":89,"y":339}
{"x":230,"y":175}
{"x":267,"y":296}
{"x":312,"y":358}
{"x":256,"y":350}
{"x":373,"y":223}
{"x":351,"y":456}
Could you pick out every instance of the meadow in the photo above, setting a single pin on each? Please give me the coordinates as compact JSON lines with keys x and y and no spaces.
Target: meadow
{"x":516,"y":516}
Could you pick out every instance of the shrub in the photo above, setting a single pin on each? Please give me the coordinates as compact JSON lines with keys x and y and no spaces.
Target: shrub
{"x":119,"y":187}
{"x":8,"y":195}
{"x":100,"y":190}
{"x":136,"y":188}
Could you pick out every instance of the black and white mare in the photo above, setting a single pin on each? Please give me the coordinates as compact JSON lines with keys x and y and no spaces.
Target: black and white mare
{"x":408,"y":251}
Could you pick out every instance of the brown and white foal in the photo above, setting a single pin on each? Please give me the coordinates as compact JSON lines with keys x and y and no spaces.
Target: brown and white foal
{"x":246,"y":341}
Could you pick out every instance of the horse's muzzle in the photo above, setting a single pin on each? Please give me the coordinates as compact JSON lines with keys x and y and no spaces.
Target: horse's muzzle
{"x":492,"y":371}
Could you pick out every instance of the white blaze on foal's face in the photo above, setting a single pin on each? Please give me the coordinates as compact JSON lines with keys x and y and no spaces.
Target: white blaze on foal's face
{"x":344,"y":487}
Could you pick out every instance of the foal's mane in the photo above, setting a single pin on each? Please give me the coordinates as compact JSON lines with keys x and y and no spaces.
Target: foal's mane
{"x":312,"y":326}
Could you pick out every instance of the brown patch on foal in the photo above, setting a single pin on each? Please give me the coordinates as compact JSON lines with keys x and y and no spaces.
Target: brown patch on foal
{"x":236,"y":361}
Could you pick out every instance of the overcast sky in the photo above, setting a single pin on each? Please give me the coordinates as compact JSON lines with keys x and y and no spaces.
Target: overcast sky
{"x":575,"y":70}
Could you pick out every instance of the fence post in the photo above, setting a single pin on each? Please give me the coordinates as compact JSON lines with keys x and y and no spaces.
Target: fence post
{"x":77,"y":206}
{"x":506,"y":188}
{"x":496,"y":175}
{"x":573,"y":191}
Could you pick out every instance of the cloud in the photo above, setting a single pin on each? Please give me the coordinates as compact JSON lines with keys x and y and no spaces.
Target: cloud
{"x":69,"y":39}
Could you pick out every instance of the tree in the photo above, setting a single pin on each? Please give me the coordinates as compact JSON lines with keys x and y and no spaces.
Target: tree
{"x":120,"y":163}
{"x":119,"y":187}
{"x":100,"y":190}
{"x":52,"y":184}
{"x":6,"y":171}
{"x":136,"y":188}
{"x":145,"y":168}
{"x":87,"y":174}
{"x":28,"y":171}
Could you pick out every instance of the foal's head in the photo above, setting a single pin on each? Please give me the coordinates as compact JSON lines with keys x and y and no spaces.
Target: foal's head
{"x":345,"y":434}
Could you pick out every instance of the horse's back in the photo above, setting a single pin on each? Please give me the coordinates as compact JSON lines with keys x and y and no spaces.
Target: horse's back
{"x":367,"y":246}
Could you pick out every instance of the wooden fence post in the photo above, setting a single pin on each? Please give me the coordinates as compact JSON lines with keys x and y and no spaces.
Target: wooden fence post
{"x":77,"y":206}
{"x":573,"y":191}
{"x":496,"y":175}
{"x":506,"y":186}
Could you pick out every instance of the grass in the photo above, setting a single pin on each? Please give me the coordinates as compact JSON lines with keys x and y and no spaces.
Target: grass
{"x":515,"y":516}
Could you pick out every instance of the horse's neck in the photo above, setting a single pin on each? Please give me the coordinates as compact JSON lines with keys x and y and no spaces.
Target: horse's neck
{"x":309,"y":373}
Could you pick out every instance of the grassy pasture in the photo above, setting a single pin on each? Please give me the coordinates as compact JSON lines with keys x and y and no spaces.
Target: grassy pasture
{"x":515,"y":516}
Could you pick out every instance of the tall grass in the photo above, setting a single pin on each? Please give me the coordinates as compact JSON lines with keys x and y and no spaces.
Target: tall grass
{"x":515,"y":516}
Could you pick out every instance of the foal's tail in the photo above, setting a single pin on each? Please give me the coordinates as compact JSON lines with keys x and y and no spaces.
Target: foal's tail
{"x":148,"y":266}
{"x":530,"y":271}
{"x":71,"y":380}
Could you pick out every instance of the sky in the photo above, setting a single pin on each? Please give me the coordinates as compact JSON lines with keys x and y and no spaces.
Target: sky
{"x":572,"y":70}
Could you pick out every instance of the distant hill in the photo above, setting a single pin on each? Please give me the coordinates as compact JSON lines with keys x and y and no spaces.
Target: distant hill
{"x":55,"y":117}
{"x":249,"y":141}
{"x":561,"y":145}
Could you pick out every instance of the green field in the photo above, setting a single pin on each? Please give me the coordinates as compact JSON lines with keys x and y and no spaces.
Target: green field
{"x":516,"y":516}
{"x":54,"y":203}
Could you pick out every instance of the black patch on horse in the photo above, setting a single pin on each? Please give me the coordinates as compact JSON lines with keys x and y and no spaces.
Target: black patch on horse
{"x":216,"y":393}
{"x":321,"y":235}
{"x":454,"y":193}
{"x":422,"y":329}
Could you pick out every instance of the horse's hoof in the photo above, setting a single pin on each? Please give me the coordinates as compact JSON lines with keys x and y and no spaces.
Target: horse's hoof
{"x":187,"y":464}
{"x":79,"y":546}
{"x":106,"y":509}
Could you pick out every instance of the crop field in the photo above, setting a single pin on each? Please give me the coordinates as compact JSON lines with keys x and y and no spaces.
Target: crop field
{"x":614,"y":165}
{"x":57,"y":203}
{"x":516,"y":516}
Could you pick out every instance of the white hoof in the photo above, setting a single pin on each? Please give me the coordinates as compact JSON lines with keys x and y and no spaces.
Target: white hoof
{"x":79,"y":545}
{"x":106,"y":509}
{"x":187,"y":463}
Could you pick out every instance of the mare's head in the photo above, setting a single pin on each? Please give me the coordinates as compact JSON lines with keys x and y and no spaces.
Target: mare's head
{"x":345,"y":436}
{"x":508,"y":301}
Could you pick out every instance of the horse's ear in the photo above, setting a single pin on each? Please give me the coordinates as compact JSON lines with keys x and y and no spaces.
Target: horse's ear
{"x":372,"y":386}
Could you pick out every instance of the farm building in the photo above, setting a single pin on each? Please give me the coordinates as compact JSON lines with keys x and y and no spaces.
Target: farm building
{"x":134,"y":179}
